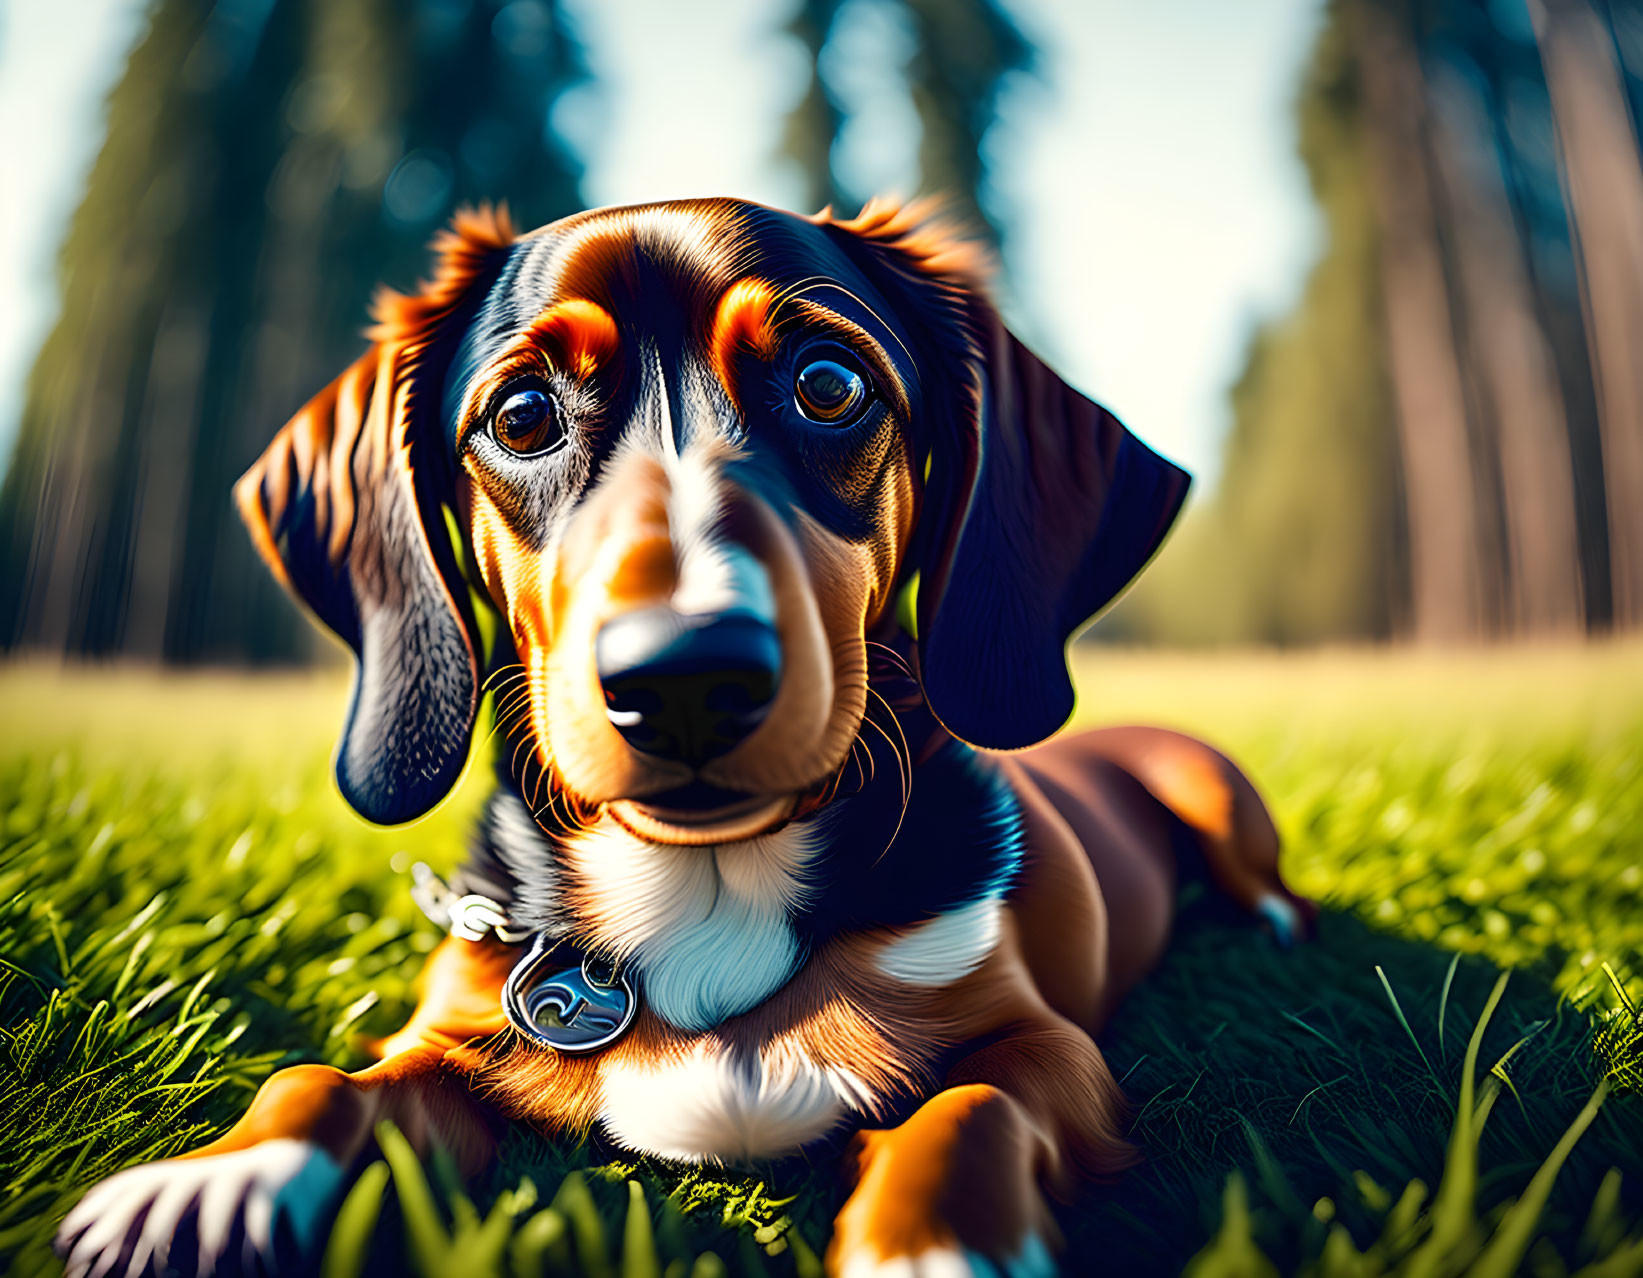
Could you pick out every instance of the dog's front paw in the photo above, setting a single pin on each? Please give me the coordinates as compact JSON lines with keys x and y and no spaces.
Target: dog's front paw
{"x":917,"y":1213}
{"x":945,"y":1259}
{"x":1290,"y":918}
{"x":216,"y":1214}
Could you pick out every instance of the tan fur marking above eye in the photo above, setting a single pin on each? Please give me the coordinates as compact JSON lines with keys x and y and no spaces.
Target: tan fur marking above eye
{"x":745,"y":320}
{"x":578,"y":335}
{"x":575,"y":337}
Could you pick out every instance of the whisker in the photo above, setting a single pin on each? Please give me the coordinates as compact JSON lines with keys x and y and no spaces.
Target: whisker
{"x":513,"y":669}
{"x":513,"y":703}
{"x":906,"y":798}
{"x":551,"y":807}
{"x":496,"y":727}
{"x":792,"y":290}
{"x":886,"y":653}
{"x":900,"y":768}
{"x":906,"y":749}
{"x":513,"y":763}
{"x":511,"y":700}
{"x":904,"y":764}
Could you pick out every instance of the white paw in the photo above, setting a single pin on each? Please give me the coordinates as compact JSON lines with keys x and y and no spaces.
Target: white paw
{"x":935,"y":1262}
{"x":1282,"y":917}
{"x":1032,"y":1261}
{"x":125,"y":1225}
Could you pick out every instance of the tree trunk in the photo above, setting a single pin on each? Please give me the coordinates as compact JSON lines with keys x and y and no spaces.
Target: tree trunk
{"x":1516,"y":374}
{"x":171,"y":421}
{"x":1603,"y":189}
{"x":1445,"y":570}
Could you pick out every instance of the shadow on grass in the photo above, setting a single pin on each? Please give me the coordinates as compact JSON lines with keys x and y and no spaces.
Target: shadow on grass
{"x":1294,"y":1067}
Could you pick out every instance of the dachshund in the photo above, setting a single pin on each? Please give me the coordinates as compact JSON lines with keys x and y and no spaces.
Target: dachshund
{"x":783,"y":537}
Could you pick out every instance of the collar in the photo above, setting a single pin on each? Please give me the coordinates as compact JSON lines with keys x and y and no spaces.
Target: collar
{"x":555,"y":996}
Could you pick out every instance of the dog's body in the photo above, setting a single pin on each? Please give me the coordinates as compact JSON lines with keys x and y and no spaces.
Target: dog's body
{"x":695,"y":455}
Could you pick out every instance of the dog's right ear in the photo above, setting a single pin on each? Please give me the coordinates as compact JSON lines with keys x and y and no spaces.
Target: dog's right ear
{"x":1038,"y":505}
{"x":347,"y":507}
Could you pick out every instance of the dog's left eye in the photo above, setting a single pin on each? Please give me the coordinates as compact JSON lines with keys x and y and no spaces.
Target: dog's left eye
{"x":831,"y":390}
{"x":526,"y":421}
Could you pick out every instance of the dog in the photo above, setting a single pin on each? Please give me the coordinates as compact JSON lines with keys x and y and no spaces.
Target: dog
{"x":784,"y":536}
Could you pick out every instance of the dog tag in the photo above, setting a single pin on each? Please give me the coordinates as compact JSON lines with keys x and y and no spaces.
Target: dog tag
{"x":572,"y":1009}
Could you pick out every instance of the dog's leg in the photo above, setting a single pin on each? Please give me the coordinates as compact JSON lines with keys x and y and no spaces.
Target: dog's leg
{"x":955,"y":1190}
{"x":282,"y":1168}
{"x":1202,"y":788}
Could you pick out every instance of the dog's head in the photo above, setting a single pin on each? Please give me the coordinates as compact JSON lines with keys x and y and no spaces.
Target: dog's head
{"x":692,"y":454}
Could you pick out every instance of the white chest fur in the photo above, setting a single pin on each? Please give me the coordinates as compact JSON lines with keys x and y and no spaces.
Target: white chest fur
{"x":706,"y":929}
{"x":713,"y":1105}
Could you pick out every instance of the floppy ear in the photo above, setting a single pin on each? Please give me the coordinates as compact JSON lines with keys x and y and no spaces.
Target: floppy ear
{"x":346,"y":505}
{"x":1039,"y":507}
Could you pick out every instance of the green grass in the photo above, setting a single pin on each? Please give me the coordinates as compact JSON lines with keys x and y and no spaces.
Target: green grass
{"x":185,"y":905}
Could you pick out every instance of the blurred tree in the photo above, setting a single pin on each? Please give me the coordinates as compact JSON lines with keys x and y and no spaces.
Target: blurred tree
{"x":963,"y":50}
{"x":1515,"y":370}
{"x":1452,"y":588}
{"x":1416,"y":447}
{"x":267,"y":163}
{"x":1603,"y":184}
{"x":1487,"y":56}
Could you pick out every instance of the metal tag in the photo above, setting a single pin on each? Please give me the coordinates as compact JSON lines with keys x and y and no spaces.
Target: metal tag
{"x":573,"y":1009}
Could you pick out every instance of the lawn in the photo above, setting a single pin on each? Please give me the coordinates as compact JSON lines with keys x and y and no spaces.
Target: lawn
{"x":186,"y":904}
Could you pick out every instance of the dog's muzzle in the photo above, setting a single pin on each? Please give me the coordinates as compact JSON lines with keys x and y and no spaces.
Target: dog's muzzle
{"x":687,"y":687}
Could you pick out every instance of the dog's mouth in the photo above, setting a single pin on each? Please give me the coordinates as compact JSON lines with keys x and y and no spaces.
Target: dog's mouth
{"x":699,"y":814}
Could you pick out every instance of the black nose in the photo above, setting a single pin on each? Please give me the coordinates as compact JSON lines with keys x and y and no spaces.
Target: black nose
{"x":683,"y":687}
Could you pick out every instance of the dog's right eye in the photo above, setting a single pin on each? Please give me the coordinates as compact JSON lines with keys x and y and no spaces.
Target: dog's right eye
{"x":831,"y":390}
{"x":526,"y":421}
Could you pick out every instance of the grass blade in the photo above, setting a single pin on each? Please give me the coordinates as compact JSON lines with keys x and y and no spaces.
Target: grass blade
{"x":542,"y":1240}
{"x":1232,"y":1253}
{"x":1626,"y":1262}
{"x":639,"y":1259}
{"x":1443,"y":1006}
{"x":576,"y":1204}
{"x":1501,"y":1257}
{"x":356,"y":1221}
{"x":429,"y":1240}
{"x":1605,"y":1227}
{"x":1404,"y":1021}
{"x":1454,"y":1220}
{"x":1497,"y":1071}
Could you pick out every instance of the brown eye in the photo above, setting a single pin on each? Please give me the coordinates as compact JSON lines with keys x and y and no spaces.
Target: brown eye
{"x":831,"y":390}
{"x":526,"y":422}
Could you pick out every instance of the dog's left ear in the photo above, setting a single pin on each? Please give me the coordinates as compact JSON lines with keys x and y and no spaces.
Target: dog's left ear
{"x":347,"y":505}
{"x":1039,"y":507}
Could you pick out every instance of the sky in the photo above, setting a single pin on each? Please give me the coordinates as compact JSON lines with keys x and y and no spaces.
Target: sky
{"x":1156,"y":207}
